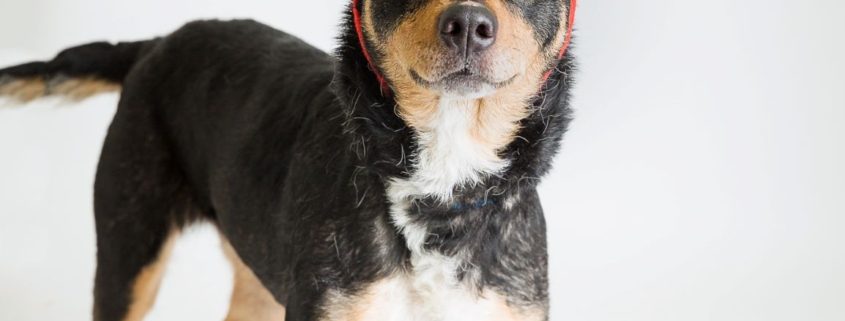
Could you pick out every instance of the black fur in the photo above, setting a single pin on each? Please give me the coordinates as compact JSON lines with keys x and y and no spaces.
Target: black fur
{"x":287,"y":149}
{"x":542,"y":15}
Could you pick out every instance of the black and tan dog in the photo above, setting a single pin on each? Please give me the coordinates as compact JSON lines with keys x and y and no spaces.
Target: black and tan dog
{"x":394,"y":181}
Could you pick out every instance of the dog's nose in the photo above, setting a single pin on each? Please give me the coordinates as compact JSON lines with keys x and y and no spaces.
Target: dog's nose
{"x":469,"y":29}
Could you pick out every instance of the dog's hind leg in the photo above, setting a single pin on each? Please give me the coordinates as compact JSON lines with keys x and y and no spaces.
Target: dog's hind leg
{"x":251,"y":301}
{"x":140,"y":202}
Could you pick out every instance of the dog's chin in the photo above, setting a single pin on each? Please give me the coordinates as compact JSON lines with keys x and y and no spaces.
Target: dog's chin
{"x":469,"y":89}
{"x":461,"y":85}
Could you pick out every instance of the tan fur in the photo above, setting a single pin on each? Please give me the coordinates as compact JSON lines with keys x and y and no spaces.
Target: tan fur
{"x":251,"y":301}
{"x":146,"y":284}
{"x":414,"y":45}
{"x":391,"y":300}
{"x":23,"y":90}
{"x":81,"y":88}
{"x":28,"y":89}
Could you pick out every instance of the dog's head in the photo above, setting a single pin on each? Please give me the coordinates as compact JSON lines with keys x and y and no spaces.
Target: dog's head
{"x":462,"y":74}
{"x":430,"y":49}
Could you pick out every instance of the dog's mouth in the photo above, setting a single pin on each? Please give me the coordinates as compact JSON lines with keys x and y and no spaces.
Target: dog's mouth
{"x":464,"y":82}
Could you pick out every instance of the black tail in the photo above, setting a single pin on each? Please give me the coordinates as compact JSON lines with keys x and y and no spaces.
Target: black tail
{"x":76,"y":73}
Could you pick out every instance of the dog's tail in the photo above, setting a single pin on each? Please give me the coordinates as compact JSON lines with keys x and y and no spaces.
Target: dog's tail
{"x":76,"y":73}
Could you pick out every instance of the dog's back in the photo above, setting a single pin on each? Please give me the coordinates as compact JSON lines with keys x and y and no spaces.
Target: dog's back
{"x":219,"y":86}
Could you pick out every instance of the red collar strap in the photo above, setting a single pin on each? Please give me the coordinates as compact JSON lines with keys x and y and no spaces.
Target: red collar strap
{"x":566,"y":40}
{"x":385,"y":89}
{"x":359,"y":29}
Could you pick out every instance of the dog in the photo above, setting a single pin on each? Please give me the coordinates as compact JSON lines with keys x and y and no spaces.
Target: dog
{"x":393,"y":180}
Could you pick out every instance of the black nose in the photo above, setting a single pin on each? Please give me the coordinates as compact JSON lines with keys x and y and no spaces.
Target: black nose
{"x":468,"y":29}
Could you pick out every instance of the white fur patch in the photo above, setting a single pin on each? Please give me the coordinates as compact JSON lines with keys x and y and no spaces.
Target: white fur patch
{"x":448,"y":156}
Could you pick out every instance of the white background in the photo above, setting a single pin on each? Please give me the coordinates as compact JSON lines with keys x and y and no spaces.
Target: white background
{"x":701,"y":180}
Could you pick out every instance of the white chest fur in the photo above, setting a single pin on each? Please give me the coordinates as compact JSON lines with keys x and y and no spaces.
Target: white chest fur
{"x":449,"y":153}
{"x":447,"y":157}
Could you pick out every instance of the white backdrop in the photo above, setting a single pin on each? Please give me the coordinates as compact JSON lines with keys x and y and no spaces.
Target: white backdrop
{"x":701,"y":180}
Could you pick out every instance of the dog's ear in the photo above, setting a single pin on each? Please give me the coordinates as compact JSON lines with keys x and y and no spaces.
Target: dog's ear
{"x":357,"y":73}
{"x":368,"y":109}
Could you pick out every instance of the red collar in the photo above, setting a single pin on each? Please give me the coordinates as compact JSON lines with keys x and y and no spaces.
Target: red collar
{"x":385,"y":88}
{"x":566,"y":41}
{"x":356,"y":16}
